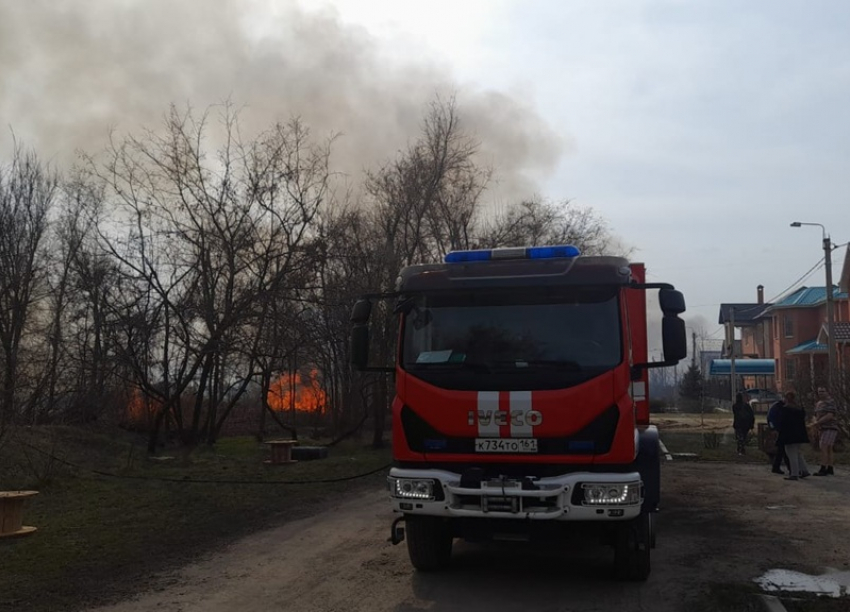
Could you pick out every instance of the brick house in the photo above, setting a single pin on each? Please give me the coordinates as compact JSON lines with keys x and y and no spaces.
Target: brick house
{"x":793,"y":331}
{"x":799,"y":333}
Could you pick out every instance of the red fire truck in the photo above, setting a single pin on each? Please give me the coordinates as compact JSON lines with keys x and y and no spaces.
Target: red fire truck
{"x":521,"y":400}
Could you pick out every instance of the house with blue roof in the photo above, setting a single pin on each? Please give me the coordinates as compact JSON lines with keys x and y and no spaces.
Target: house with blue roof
{"x":792,"y":331}
{"x":799,"y":328}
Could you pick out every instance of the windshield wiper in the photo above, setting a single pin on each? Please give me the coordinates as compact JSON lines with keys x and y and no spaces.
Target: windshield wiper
{"x":477,"y":366}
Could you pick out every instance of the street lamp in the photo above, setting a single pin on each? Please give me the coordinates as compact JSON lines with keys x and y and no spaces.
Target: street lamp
{"x":830,"y":316}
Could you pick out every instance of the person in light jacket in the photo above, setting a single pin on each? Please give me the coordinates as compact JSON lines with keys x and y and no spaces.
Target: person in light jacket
{"x":827,"y":427}
{"x":793,"y":435}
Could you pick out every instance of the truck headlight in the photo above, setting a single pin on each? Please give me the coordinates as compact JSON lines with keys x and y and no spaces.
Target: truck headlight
{"x":412,"y":488}
{"x":611,"y":494}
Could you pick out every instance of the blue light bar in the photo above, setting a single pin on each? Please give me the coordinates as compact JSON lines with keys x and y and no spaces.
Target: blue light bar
{"x":465,"y":256}
{"x":551,"y":252}
{"x":542,"y":252}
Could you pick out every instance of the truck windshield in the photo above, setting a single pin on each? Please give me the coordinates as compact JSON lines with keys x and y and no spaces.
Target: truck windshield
{"x":572,"y":330}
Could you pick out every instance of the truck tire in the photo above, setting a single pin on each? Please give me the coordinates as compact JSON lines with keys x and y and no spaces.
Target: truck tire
{"x":652,"y":530}
{"x":632,"y":549}
{"x":429,"y":542}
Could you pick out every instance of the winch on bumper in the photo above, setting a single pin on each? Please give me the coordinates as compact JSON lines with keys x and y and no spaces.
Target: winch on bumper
{"x":577,"y":496}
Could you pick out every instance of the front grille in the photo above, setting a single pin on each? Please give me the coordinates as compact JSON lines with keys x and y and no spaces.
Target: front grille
{"x":595,"y":438}
{"x":507,"y":503}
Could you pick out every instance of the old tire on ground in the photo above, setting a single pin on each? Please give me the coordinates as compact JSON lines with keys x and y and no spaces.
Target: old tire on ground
{"x":309,"y":453}
{"x":429,"y":542}
{"x":632,"y":549}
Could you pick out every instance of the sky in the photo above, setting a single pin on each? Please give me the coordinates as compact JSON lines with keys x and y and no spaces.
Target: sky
{"x":699,"y":129}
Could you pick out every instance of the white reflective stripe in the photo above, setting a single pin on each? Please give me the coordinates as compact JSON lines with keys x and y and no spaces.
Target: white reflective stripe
{"x":639,"y":390}
{"x":488,"y":406}
{"x":521,"y":400}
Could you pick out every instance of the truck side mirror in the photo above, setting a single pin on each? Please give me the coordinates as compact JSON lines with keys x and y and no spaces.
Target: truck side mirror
{"x":674,"y":338}
{"x":361,"y":312}
{"x":360,"y":333}
{"x":359,"y":342}
{"x":360,"y":346}
{"x":672,"y":302}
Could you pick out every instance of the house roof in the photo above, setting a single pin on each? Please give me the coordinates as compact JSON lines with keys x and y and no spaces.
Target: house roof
{"x":807,"y":297}
{"x":842,"y":332}
{"x":812,"y":346}
{"x":720,"y":367}
{"x":745,"y":314}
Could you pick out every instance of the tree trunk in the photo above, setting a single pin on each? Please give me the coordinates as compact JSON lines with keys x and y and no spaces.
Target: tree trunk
{"x":153,"y":436}
{"x":379,"y":407}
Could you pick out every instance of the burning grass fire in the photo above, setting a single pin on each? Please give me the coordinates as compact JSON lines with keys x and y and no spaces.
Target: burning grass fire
{"x":141,"y":410}
{"x":301,"y":393}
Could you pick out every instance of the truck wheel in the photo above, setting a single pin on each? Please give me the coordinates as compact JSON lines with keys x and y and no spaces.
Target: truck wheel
{"x":651,"y":530}
{"x":632,"y":549}
{"x":429,"y":542}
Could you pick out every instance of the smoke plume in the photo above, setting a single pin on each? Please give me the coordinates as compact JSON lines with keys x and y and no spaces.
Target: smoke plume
{"x":71,"y":71}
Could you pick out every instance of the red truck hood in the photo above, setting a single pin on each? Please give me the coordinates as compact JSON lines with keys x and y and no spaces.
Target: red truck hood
{"x":590,"y":422}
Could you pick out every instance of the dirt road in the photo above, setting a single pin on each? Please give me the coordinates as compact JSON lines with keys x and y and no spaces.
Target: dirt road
{"x":715,"y":535}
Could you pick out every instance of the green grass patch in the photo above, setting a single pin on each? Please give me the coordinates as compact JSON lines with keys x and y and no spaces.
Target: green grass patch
{"x":710,"y":446}
{"x":100,"y":538}
{"x":712,"y":439}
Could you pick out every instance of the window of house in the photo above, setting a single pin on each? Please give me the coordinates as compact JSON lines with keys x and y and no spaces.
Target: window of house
{"x":788,"y":324}
{"x":790,"y":369}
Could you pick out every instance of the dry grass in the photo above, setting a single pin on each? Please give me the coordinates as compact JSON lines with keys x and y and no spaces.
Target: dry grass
{"x":710,"y":437}
{"x":101,"y":538}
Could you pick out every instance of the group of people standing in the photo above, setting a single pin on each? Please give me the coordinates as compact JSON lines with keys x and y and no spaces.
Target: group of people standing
{"x":789,"y":418}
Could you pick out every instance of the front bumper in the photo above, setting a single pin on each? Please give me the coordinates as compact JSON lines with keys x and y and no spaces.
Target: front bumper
{"x":557,"y":498}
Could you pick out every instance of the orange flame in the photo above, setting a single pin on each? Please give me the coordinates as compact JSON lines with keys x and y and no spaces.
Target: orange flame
{"x":308,"y":397}
{"x":140,"y":409}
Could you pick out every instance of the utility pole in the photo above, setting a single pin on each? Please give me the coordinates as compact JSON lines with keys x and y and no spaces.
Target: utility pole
{"x":830,"y":312}
{"x":732,"y":383}
{"x":702,"y":379}
{"x":694,"y":349}
{"x":830,"y":307}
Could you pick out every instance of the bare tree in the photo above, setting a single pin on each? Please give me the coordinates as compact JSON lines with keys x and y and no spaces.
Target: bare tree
{"x":539,"y":222}
{"x":207,"y":243}
{"x":422,"y":205}
{"x":346,"y":267}
{"x":191,"y":262}
{"x":27,"y":191}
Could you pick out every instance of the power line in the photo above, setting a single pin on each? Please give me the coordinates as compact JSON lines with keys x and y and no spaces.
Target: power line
{"x":812,"y":270}
{"x":820,"y":264}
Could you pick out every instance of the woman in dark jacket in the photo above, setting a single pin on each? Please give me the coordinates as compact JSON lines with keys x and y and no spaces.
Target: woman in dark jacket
{"x":793,"y":435}
{"x":743,"y":420}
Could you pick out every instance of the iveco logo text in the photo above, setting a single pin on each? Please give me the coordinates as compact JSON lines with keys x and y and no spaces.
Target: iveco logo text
{"x":502,"y":418}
